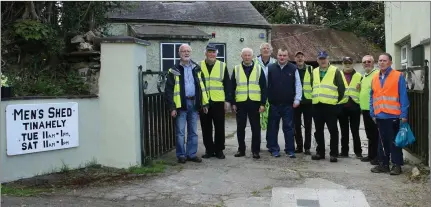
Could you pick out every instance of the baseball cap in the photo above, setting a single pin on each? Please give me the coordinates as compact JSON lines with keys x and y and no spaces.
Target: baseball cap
{"x":210,"y":47}
{"x":347,"y":59}
{"x":299,"y":52}
{"x":322,"y":54}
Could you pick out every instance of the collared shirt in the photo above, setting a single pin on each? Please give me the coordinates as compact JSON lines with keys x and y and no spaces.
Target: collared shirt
{"x":189,"y":82}
{"x":298,"y":85}
{"x":404,"y":99}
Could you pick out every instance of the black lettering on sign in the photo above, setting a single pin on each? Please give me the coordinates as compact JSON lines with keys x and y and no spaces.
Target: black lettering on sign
{"x":46,"y":135}
{"x":29,"y":145}
{"x":29,"y":136}
{"x":27,"y":114}
{"x":44,"y":124}
{"x":64,"y":142}
{"x":59,"y":113}
{"x":47,"y":144}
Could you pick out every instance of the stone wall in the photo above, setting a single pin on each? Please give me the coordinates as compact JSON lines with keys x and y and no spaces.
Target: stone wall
{"x":87,"y":63}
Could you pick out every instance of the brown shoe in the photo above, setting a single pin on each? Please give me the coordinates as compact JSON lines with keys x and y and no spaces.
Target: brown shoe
{"x":194,"y":159}
{"x":395,"y":170}
{"x":380,"y":169}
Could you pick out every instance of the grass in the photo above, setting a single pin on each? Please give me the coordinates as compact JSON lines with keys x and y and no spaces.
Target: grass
{"x":22,"y":192}
{"x":255,"y":193}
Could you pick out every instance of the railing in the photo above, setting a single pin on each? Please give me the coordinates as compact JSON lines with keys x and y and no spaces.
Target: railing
{"x":418,"y":110}
{"x":157,"y":127}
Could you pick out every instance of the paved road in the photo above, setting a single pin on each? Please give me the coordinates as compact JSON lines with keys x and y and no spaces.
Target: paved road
{"x":247,"y":182}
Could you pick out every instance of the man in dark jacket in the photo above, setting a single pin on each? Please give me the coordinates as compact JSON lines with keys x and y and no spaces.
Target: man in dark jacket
{"x":186,"y":94}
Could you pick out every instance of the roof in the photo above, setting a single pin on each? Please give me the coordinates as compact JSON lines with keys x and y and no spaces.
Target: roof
{"x":168,"y":32}
{"x":240,"y":13}
{"x":312,"y":38}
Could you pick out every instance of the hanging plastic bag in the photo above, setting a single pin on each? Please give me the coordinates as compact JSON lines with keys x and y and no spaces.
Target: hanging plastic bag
{"x":405,"y":136}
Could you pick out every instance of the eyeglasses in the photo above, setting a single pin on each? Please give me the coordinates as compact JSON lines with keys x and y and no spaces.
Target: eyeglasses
{"x":368,"y":61}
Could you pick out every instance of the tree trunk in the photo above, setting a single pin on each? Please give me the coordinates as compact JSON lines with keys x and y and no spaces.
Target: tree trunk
{"x":304,"y":12}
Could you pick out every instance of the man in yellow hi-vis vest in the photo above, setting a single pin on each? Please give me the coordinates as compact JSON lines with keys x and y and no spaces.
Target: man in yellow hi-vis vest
{"x":217,"y":83}
{"x":305,"y":108}
{"x":351,"y":112}
{"x":185,"y":95}
{"x":328,"y":91}
{"x":249,"y":99}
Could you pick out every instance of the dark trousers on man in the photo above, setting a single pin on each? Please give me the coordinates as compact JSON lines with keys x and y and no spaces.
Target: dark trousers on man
{"x":388,"y":129}
{"x":325,"y":113}
{"x":372,"y":134}
{"x":248,"y":109}
{"x":306,"y":111}
{"x":216,"y":116}
{"x":284,"y":112}
{"x":350,"y":116}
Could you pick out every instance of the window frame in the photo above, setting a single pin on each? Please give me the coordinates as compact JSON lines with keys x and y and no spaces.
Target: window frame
{"x":224,"y":52}
{"x":175,"y":52}
{"x":406,"y":59}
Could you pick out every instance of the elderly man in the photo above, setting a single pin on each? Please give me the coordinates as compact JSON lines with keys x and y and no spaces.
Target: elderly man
{"x":351,"y":111}
{"x":284,"y":94}
{"x":186,"y":94}
{"x":389,"y":104}
{"x":305,"y":108}
{"x":328,"y":91}
{"x":364,"y":102}
{"x":217,"y":85}
{"x":249,"y":89}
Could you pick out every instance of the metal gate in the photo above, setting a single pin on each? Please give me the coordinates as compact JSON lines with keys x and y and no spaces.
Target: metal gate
{"x":157,"y":126}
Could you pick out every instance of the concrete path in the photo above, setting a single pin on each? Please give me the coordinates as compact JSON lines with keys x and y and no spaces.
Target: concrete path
{"x":246,"y":182}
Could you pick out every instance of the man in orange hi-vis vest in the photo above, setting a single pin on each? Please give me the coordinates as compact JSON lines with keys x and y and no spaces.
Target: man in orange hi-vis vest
{"x":389,"y":104}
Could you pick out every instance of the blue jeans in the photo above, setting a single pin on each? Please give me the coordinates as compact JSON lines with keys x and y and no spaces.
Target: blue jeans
{"x":191,"y":118}
{"x":277,"y":112}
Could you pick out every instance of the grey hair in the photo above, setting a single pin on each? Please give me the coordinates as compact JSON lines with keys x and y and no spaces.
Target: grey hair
{"x":247,"y":49}
{"x":207,"y":51}
{"x":266,"y":43}
{"x":370,"y":56}
{"x":184,"y":45}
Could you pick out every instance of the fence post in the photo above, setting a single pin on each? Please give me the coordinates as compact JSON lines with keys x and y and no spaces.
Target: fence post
{"x":119,"y":100}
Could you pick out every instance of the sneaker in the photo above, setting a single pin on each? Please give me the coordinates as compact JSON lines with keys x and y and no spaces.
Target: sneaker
{"x":292,"y":155}
{"x":317,"y":157}
{"x":182,"y":160}
{"x":276,"y":154}
{"x":240,"y":154}
{"x":333,"y":159}
{"x":395,"y":170}
{"x":194,"y":159}
{"x":307,"y":152}
{"x":380,"y":169}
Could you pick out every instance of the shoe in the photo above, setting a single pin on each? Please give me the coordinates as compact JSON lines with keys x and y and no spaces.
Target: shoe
{"x":194,"y":159}
{"x":298,"y":150}
{"x":292,"y":155}
{"x":366,"y":159}
{"x":256,"y":155}
{"x":343,"y":155}
{"x":380,"y":169}
{"x":333,"y":159}
{"x":317,"y":157}
{"x":220,"y":155}
{"x":182,"y":160}
{"x":275,"y":154}
{"x":395,"y":170}
{"x":207,"y":155}
{"x":240,"y":154}
{"x":307,"y":152}
{"x":359,"y":156}
{"x":374,"y":162}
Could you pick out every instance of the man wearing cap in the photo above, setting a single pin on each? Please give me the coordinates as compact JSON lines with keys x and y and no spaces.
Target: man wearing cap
{"x":249,"y":98}
{"x":217,"y":83}
{"x":351,"y":111}
{"x":328,"y":91}
{"x":305,"y":108}
{"x":364,"y":99}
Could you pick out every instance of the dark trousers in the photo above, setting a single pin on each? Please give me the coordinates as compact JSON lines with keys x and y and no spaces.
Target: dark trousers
{"x":372,"y":134}
{"x":216,"y":116}
{"x":350,"y":116}
{"x":284,"y":112}
{"x":306,"y":111}
{"x":250,"y":109}
{"x":388,"y":129}
{"x":325,"y":113}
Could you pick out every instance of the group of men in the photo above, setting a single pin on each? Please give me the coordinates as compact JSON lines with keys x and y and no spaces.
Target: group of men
{"x":266,"y":89}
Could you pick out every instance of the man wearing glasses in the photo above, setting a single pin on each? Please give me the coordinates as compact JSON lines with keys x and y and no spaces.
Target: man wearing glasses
{"x":351,"y":111}
{"x":364,"y":101}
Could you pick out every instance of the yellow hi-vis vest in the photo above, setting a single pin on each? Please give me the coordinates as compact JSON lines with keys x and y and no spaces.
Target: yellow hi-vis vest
{"x":308,"y":90}
{"x":177,"y":88}
{"x":250,"y":90}
{"x":364,"y":94}
{"x":351,"y":90}
{"x":325,"y":92}
{"x":214,"y":81}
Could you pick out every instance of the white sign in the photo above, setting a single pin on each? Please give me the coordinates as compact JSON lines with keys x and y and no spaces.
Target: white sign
{"x":41,"y":127}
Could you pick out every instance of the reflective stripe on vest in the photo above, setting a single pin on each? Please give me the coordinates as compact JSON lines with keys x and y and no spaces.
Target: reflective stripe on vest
{"x":325,"y":92}
{"x":214,"y":81}
{"x":364,"y":94}
{"x":351,"y":90}
{"x":246,"y":90}
{"x":307,"y":89}
{"x":386,"y":99}
{"x":177,"y":90}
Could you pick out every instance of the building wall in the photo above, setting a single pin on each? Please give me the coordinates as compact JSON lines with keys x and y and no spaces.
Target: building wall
{"x":28,"y":165}
{"x":406,"y":21}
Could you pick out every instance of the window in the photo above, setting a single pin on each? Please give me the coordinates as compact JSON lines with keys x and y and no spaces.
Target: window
{"x":221,"y":47}
{"x":169,"y":55}
{"x":404,"y":55}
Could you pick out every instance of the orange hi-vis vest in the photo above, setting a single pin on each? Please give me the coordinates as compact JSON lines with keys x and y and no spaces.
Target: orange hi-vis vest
{"x":386,"y":99}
